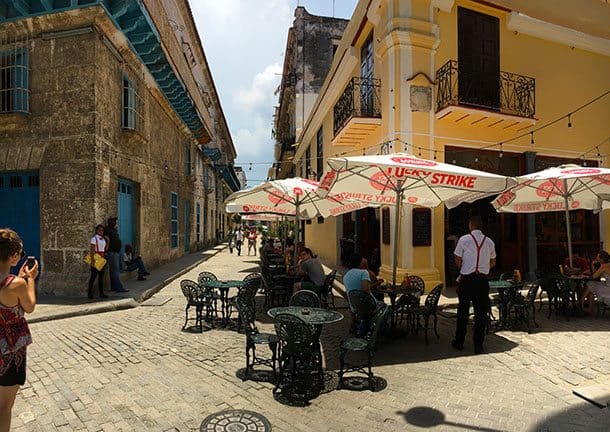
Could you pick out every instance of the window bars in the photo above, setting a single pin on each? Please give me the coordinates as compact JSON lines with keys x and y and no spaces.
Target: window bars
{"x":14,"y":71}
{"x":132,"y":118}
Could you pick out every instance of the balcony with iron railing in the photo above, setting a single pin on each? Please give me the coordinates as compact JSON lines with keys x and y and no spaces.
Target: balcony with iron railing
{"x":509,"y":98}
{"x":357,"y":113}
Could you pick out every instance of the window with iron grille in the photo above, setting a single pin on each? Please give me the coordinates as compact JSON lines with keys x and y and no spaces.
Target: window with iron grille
{"x":14,"y":92}
{"x":174,"y":220}
{"x":320,"y":153}
{"x":132,"y":106}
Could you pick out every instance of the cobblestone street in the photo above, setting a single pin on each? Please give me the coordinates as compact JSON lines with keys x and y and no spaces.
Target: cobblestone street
{"x":135,"y":370}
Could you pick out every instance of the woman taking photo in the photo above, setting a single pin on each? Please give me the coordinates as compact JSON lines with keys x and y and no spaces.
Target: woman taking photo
{"x":17,"y":296}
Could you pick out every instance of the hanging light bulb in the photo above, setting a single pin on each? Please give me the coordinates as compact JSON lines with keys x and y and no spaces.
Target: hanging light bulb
{"x":453,"y":161}
{"x":570,"y":120}
{"x":434,"y":154}
{"x":501,"y":155}
{"x":532,"y":138}
{"x":476,"y":159}
{"x":250,"y":169}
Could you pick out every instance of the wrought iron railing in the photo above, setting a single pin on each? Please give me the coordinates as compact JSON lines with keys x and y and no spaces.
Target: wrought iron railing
{"x":359,"y":99}
{"x":517,"y":93}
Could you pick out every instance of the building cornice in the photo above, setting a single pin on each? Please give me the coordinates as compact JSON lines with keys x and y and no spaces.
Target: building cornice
{"x":534,"y":27}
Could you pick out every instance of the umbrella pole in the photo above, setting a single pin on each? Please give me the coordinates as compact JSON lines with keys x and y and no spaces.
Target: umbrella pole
{"x":568,"y":227}
{"x":396,"y":231}
{"x":297,"y":225}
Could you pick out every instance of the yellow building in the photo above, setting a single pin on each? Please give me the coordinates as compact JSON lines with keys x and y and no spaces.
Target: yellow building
{"x":503,"y":86}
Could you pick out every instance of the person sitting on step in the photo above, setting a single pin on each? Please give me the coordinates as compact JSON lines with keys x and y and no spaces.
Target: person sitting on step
{"x":134,"y":262}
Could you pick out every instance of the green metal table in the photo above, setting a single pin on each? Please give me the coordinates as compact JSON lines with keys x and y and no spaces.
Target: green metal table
{"x":223,"y":287}
{"x":310,"y":315}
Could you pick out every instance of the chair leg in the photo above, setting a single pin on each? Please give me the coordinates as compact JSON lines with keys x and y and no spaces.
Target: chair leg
{"x":370,"y":367}
{"x":435,"y":326}
{"x":186,"y":311}
{"x":247,"y":360}
{"x":273,"y":348}
{"x":341,"y":365}
{"x":426,"y":328}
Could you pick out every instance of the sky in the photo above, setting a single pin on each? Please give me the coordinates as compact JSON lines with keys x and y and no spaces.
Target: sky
{"x":244,"y":42}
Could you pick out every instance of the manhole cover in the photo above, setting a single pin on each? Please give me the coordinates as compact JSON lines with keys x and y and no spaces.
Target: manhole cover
{"x":235,"y":421}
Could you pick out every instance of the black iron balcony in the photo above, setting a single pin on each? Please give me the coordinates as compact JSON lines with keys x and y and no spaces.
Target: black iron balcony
{"x":359,"y":99}
{"x":508,"y":93}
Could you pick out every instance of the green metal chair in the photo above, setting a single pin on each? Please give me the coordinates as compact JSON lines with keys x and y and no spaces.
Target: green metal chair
{"x":298,"y":357}
{"x":429,"y":310}
{"x":367,"y":343}
{"x":522,"y":308}
{"x":305,"y":298}
{"x":196,"y":298}
{"x":247,"y":317}
{"x":327,"y":298}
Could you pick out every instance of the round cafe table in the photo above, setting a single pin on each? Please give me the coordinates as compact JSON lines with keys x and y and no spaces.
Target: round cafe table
{"x":308,"y":314}
{"x":223,"y":287}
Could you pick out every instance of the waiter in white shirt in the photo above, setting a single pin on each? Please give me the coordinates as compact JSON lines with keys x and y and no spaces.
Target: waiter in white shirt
{"x":475,"y":255}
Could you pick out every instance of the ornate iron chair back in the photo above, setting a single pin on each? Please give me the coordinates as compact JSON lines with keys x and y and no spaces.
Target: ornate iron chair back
{"x":296,"y":336}
{"x":417,"y":283}
{"x":206,"y":276}
{"x":247,"y":314}
{"x":305,"y":298}
{"x":376,"y":324}
{"x":362,"y":303}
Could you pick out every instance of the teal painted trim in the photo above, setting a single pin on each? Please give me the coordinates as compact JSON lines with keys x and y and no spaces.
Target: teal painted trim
{"x":30,"y":14}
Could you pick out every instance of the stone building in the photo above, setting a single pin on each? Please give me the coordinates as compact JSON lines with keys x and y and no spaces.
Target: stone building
{"x":109,"y":109}
{"x":310,"y":48}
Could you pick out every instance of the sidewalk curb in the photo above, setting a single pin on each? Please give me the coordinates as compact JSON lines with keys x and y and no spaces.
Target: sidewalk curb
{"x":126,"y":303}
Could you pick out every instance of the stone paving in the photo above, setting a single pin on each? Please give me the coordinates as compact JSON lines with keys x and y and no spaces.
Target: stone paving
{"x":135,"y":370}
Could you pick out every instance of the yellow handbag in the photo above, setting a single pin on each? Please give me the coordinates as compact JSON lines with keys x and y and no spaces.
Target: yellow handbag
{"x":98,"y":261}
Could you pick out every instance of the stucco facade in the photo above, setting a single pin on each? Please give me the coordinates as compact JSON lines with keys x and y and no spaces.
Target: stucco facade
{"x":547,"y":70}
{"x":75,"y":137}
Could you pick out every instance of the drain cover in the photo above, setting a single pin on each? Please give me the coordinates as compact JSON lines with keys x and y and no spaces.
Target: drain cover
{"x":235,"y":421}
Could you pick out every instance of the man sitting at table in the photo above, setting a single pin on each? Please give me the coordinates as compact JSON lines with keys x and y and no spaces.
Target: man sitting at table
{"x":268,"y":248}
{"x":310,"y":266}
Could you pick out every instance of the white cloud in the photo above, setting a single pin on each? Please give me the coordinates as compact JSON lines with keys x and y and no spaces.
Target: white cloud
{"x":260,"y":95}
{"x":244,"y":42}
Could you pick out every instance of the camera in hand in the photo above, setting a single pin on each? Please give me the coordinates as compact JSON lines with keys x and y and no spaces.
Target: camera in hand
{"x":31,"y":262}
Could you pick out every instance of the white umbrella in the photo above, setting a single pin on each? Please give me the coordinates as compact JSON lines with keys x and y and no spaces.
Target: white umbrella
{"x":401,"y":177}
{"x":561,"y":188}
{"x":290,"y":197}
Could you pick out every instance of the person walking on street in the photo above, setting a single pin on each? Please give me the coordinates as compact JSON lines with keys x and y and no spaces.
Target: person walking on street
{"x":475,"y":256}
{"x":113,"y":255}
{"x":17,"y":297}
{"x":97,"y":245}
{"x":239,"y":239}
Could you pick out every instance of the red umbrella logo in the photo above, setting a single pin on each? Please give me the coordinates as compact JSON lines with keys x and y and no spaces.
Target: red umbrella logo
{"x":381,"y":181}
{"x":277,"y":199}
{"x":550,"y":188}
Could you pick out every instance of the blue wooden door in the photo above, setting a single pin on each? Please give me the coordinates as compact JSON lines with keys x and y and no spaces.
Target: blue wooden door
{"x":126,"y":215}
{"x":187,"y":226}
{"x":20,"y":204}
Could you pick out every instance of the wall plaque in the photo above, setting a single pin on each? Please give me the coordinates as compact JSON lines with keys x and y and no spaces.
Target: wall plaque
{"x":422,"y":227}
{"x":421,"y":98}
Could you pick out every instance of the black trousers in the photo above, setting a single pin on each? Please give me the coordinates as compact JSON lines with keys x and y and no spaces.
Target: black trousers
{"x":473,"y":288}
{"x":100,"y":280}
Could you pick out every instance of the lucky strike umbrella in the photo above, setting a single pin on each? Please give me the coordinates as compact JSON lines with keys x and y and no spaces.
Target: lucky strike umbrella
{"x":561,"y":188}
{"x":401,"y":177}
{"x":290,"y":197}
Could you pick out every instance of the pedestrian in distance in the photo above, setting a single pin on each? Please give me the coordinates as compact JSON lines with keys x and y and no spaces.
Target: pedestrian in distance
{"x":97,"y":245}
{"x":475,"y":256}
{"x":239,"y":239}
{"x":252,"y":236}
{"x":17,"y":297}
{"x":231,"y":241}
{"x":113,"y":255}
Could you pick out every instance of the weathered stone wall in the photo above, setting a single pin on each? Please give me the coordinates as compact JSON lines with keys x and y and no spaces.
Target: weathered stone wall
{"x":57,"y":138}
{"x":153,"y":157}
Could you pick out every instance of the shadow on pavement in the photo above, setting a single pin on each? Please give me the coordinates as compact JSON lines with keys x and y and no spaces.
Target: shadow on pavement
{"x":427,"y":417}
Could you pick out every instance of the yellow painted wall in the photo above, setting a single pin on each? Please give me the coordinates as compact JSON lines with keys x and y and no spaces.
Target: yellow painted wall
{"x":565,"y":79}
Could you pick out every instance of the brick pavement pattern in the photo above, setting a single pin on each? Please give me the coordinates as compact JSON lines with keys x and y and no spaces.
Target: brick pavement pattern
{"x":135,"y":370}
